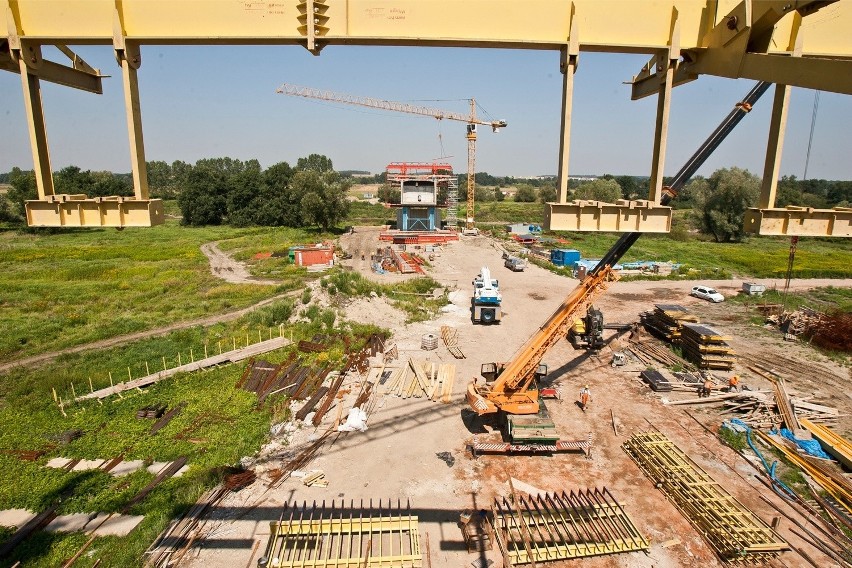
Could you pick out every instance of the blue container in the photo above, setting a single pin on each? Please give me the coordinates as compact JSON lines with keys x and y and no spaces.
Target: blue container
{"x":564,"y":257}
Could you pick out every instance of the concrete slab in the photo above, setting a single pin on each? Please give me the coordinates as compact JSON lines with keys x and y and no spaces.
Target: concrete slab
{"x":181,"y":471}
{"x":117,"y":525}
{"x":15,"y":517}
{"x":157,"y":467}
{"x":126,"y":467}
{"x":57,"y":463}
{"x":84,"y":465}
{"x":69,"y":523}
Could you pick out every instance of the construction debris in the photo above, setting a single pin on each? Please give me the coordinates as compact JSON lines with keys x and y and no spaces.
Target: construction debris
{"x":736,"y":534}
{"x":706,"y":347}
{"x":450,"y":335}
{"x":345,"y":537}
{"x":151,"y":411}
{"x":557,"y":526}
{"x":315,"y":479}
{"x":832,"y":481}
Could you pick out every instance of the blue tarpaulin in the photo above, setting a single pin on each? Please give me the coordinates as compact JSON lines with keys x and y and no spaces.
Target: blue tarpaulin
{"x":810,"y":447}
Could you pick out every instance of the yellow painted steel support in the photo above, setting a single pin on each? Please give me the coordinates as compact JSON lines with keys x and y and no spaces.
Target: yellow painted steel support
{"x":35,"y":120}
{"x":665,"y":73}
{"x":774,"y":147}
{"x":570,"y":55}
{"x":800,"y":221}
{"x":778,"y":127}
{"x":661,"y":132}
{"x":641,"y":215}
{"x":129,"y":65}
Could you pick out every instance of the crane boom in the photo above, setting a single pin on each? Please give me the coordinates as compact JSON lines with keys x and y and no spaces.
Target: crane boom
{"x":511,"y":391}
{"x":369,"y":102}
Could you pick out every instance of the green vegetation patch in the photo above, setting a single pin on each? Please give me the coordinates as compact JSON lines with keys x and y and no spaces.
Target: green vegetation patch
{"x":69,"y":287}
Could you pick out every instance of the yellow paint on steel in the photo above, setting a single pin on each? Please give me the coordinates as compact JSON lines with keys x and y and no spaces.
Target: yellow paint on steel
{"x":607,"y":25}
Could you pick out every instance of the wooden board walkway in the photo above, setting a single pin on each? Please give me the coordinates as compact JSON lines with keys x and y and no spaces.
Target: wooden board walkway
{"x":223,"y":358}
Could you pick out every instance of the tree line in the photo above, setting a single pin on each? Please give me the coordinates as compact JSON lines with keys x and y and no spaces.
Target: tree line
{"x":241,"y":193}
{"x":211,"y":192}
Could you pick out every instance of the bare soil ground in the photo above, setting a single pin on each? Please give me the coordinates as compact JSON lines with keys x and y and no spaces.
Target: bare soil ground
{"x":397,"y":459}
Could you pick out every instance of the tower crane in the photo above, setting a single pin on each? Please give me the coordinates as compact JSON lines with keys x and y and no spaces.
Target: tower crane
{"x":471,"y":119}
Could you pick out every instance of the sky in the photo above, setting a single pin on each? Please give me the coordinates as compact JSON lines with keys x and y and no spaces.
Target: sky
{"x":214,"y":101}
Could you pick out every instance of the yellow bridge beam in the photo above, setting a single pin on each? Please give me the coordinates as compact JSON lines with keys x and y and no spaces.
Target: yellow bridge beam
{"x":687,"y":38}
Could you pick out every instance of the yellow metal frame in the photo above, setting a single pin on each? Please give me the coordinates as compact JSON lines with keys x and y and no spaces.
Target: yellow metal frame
{"x":801,"y":221}
{"x":622,"y":216}
{"x":80,"y":211}
{"x":802,"y":43}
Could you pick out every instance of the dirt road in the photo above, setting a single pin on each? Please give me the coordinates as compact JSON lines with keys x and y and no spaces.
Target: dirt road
{"x":230,"y":270}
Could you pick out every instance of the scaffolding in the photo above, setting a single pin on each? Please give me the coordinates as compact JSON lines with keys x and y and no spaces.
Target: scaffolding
{"x":440,"y":174}
{"x":736,"y":534}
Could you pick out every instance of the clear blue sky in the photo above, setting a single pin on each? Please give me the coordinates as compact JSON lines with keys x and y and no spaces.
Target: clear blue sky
{"x":211,"y":101}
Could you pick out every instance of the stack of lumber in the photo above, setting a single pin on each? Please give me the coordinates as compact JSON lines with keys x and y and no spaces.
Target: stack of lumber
{"x":706,"y":347}
{"x":667,"y":320}
{"x":421,"y":379}
{"x":651,"y":352}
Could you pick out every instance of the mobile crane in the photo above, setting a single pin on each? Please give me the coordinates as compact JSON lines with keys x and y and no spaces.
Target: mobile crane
{"x":511,"y":389}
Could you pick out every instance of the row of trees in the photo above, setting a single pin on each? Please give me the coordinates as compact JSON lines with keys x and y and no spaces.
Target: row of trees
{"x":212,"y":192}
{"x":242,"y":193}
{"x":225,"y":190}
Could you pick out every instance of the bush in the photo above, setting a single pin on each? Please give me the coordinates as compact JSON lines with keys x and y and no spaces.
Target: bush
{"x":306,"y":295}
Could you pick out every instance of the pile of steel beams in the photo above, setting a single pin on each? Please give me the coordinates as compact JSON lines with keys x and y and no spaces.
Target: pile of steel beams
{"x":666,"y":321}
{"x":736,"y":534}
{"x":357,"y":536}
{"x":706,"y":347}
{"x":563,"y":525}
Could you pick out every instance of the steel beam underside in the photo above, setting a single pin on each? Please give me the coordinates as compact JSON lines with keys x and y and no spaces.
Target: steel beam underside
{"x":80,"y":211}
{"x":545,"y":24}
{"x":800,"y":221}
{"x":622,"y":216}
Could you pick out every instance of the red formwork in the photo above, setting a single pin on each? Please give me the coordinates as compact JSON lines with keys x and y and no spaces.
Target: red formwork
{"x":416,"y":238}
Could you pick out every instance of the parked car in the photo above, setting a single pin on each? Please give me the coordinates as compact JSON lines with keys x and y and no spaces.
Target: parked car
{"x":515,"y":264}
{"x":706,"y":293}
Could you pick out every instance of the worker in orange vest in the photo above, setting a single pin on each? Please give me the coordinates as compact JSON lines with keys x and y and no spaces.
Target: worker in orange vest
{"x":734,"y":384}
{"x":585,"y":397}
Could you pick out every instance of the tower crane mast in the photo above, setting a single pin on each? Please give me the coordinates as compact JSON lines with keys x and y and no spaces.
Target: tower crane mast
{"x":471,"y":119}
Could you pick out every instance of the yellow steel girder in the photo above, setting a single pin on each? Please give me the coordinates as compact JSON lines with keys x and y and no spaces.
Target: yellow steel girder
{"x":720,"y":37}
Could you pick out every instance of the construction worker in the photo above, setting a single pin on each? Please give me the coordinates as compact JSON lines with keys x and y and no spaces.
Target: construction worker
{"x":706,"y":388}
{"x":585,"y":397}
{"x":734,"y":384}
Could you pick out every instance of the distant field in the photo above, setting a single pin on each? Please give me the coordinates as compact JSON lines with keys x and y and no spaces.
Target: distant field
{"x":75,"y":286}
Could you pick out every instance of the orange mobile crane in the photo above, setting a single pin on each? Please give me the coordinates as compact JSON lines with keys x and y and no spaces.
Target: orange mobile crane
{"x":511,"y":389}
